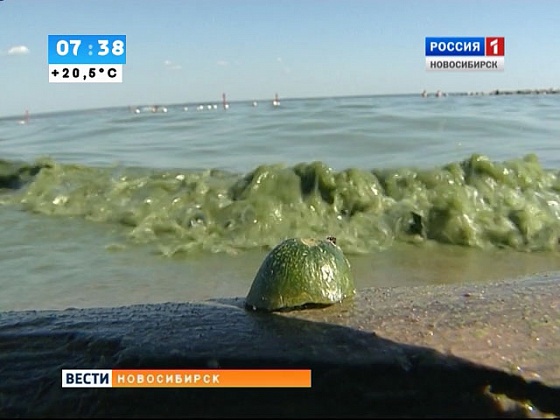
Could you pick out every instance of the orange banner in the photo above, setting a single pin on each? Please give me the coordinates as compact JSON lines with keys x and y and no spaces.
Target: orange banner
{"x":211,"y":378}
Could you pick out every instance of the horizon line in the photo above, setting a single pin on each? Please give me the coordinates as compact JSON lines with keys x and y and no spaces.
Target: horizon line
{"x":294,"y":98}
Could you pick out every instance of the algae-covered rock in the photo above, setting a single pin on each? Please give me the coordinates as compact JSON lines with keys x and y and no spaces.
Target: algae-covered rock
{"x":301,"y":272}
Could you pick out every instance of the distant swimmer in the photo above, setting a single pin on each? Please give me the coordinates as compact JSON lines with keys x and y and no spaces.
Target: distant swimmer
{"x":225,"y":105}
{"x":25,"y":118}
{"x":157,"y":108}
{"x":424,"y":94}
{"x":276,"y":101}
{"x":255,"y":103}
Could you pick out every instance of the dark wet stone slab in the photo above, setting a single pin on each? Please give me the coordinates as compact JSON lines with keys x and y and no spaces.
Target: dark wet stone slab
{"x":431,"y":351}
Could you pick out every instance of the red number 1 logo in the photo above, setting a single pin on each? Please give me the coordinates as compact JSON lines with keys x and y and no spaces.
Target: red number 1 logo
{"x":495,"y":46}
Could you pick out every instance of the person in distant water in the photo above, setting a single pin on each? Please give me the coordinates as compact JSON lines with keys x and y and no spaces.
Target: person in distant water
{"x":25,"y":118}
{"x":275,"y":102}
{"x":224,"y":101}
{"x":424,"y":93}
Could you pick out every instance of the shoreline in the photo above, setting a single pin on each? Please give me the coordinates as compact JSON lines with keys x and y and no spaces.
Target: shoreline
{"x":476,"y":350}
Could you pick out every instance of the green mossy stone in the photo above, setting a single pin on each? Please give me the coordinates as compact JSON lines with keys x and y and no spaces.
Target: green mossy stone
{"x":301,"y":272}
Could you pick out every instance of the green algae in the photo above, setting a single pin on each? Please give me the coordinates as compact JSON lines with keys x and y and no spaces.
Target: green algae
{"x":14,"y":175}
{"x":475,"y":203}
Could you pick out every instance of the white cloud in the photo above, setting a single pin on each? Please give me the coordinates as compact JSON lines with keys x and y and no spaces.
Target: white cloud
{"x":18,"y":50}
{"x":170,"y":65}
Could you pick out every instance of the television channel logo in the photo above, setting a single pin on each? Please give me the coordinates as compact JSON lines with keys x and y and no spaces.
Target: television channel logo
{"x":465,"y":53}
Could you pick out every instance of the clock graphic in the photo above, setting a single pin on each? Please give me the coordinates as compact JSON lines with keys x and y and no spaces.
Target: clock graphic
{"x":87,"y":49}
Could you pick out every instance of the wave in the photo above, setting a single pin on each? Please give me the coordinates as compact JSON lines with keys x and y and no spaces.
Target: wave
{"x":475,"y":202}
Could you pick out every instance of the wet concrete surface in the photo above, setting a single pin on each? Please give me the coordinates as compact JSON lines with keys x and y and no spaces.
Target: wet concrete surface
{"x":511,"y":325}
{"x":458,"y":351}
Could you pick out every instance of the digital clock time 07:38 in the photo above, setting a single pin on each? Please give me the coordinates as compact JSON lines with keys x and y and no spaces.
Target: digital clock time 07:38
{"x":87,"y":49}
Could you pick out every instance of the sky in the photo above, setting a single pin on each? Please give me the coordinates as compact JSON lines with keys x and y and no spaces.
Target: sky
{"x":189,"y":51}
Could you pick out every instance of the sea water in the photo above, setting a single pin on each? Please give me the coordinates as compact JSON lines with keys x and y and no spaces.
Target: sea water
{"x":124,"y":205}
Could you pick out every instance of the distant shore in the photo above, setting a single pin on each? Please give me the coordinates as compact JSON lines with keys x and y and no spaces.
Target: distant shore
{"x":550,"y":91}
